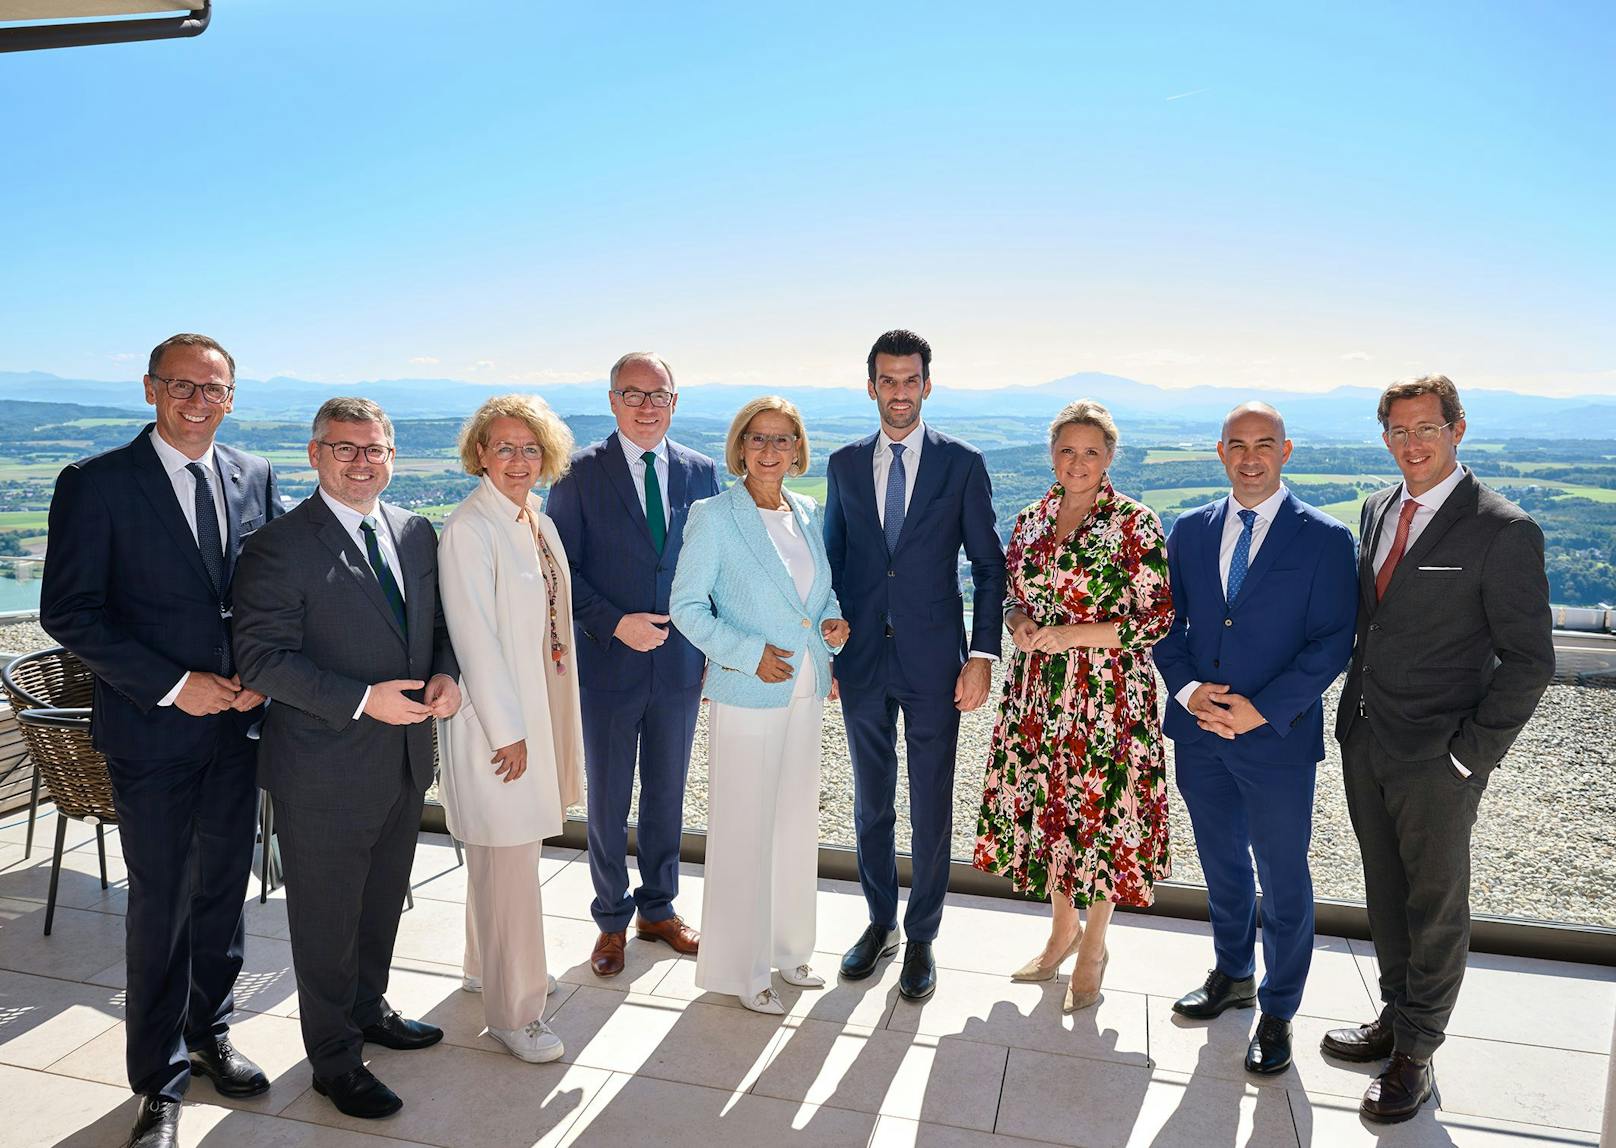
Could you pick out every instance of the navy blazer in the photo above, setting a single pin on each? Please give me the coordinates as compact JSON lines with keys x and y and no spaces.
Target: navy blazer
{"x":126,"y":592}
{"x":615,"y":568}
{"x":917,"y":586}
{"x":1285,"y":639}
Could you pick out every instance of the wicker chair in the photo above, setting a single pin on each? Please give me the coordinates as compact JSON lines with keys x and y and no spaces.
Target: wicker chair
{"x":59,"y":742}
{"x":45,"y":679}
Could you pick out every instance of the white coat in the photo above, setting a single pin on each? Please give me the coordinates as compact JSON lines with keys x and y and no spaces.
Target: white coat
{"x":491,"y":580}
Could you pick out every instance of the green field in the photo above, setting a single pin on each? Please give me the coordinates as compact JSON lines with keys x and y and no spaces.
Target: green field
{"x":1175,"y":454}
{"x":25,"y":520}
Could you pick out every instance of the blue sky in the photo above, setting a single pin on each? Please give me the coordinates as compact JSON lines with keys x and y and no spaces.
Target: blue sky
{"x":1293,"y":196}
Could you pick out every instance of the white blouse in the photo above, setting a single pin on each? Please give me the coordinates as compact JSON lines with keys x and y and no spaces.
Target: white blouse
{"x":786,"y":533}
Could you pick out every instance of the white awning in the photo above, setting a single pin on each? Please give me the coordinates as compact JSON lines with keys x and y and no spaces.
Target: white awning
{"x":81,"y":9}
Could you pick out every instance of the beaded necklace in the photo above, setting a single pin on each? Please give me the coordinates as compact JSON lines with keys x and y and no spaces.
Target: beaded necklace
{"x":552,"y":583}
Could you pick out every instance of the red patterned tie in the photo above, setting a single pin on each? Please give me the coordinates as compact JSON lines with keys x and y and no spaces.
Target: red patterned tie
{"x":1399,"y":543}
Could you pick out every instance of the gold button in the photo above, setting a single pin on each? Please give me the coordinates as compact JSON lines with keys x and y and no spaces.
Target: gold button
{"x":805,"y":623}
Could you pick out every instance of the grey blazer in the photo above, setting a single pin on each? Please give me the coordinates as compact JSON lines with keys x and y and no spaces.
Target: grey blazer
{"x":312,"y":630}
{"x":1456,"y":656}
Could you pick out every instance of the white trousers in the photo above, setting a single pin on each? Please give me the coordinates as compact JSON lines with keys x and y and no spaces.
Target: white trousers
{"x":757,"y":904}
{"x":505,"y":932}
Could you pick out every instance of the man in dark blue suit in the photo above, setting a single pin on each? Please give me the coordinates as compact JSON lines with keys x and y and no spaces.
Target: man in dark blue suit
{"x":1266,"y":592}
{"x":899,"y":505}
{"x":620,"y":511}
{"x":143,"y":547}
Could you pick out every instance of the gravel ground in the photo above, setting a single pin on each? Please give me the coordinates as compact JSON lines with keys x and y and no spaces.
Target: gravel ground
{"x":1542,"y":843}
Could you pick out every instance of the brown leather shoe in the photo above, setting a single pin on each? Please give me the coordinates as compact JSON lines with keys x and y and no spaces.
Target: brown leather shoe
{"x":674,"y":932}
{"x":607,"y":959}
{"x":1397,"y":1093}
{"x":1372,"y":1041}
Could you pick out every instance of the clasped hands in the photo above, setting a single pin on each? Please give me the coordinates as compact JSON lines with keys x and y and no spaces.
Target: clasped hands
{"x":1029,"y":636}
{"x":204,"y":693}
{"x":388,"y":701}
{"x":773,"y":667}
{"x":1220,"y":710}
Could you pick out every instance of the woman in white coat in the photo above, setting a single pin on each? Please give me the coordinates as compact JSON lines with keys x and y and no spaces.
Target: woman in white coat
{"x":512,"y":758}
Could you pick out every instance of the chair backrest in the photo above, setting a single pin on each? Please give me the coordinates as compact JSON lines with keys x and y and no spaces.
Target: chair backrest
{"x":59,"y":742}
{"x":47,"y":679}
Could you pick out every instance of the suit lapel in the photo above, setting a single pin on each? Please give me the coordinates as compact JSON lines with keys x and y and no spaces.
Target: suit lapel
{"x":1459,"y":502}
{"x":1211,"y":548}
{"x":749,"y":522}
{"x":1368,"y":545}
{"x":928,"y":482}
{"x":159,"y":491}
{"x":341,"y":543}
{"x":1281,"y":531}
{"x":235,"y":501}
{"x":862,"y":486}
{"x":623,"y":482}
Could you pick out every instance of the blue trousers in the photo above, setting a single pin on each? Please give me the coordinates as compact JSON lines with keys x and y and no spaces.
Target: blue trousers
{"x":654,"y":727}
{"x":1241,"y":810}
{"x":931,"y":735}
{"x":187,"y":827}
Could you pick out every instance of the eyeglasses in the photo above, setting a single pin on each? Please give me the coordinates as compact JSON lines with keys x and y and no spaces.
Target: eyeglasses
{"x":1425,"y":432}
{"x":183,"y":389}
{"x":348,"y":451}
{"x":505,"y":452}
{"x":633,"y":398}
{"x":780,"y":442}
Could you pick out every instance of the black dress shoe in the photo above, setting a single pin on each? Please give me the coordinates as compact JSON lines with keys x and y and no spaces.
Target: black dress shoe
{"x":919,"y":977}
{"x":157,"y":1123}
{"x":232,"y":1074}
{"x":875,"y":943}
{"x":1217,"y":996}
{"x":1270,"y":1049}
{"x":358,"y":1093}
{"x":1397,"y":1093}
{"x":393,"y":1031}
{"x":1372,"y":1041}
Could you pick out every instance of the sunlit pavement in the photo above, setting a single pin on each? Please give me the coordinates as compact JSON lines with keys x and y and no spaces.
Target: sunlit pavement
{"x":651,"y":1060}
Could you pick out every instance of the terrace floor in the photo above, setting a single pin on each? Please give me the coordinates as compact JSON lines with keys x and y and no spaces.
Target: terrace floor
{"x":651,"y":1060}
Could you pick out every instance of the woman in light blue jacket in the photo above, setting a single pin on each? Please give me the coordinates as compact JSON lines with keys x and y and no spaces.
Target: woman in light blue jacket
{"x":753,"y":593}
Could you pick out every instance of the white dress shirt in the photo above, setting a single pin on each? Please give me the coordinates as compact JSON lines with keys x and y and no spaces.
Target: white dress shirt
{"x":1267,"y":510}
{"x":1428,"y":503}
{"x":184,"y":484}
{"x":636,"y":470}
{"x":351,"y":520}
{"x":912,"y":444}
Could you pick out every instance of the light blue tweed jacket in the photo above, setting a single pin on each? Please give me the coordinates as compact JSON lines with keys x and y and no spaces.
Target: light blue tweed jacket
{"x":732,"y":594}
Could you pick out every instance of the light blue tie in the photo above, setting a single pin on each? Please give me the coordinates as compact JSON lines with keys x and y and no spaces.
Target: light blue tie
{"x":1242,"y":556}
{"x":892,"y":518}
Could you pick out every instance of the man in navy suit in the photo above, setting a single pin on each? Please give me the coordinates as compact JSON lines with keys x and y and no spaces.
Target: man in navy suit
{"x":143,"y":548}
{"x":620,"y":511}
{"x":899,"y":505}
{"x":1265,"y":587}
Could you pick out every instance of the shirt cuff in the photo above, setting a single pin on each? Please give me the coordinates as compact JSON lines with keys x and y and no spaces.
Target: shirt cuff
{"x":980,"y":654}
{"x":362,"y":702}
{"x":1459,"y":765}
{"x":168,"y":698}
{"x":1184,"y":694}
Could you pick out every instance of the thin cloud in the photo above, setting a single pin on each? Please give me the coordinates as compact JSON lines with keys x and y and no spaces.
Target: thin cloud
{"x":423,"y":361}
{"x":1185,"y":95}
{"x":1357,"y":357}
{"x":483,"y":365}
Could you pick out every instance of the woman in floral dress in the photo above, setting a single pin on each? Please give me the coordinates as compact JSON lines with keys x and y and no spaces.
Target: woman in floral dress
{"x":1074,"y":804}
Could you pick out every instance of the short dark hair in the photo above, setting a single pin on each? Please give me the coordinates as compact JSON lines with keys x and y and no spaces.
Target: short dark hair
{"x":350,"y":410}
{"x":901,"y":343}
{"x":1439,"y":385}
{"x":187,"y":340}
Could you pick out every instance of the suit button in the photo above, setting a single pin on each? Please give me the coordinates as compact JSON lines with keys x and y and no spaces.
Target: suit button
{"x":805,"y":623}
{"x":890,"y":574}
{"x":1369,"y":669}
{"x":1374,"y":626}
{"x":1228,"y":621}
{"x":1215,"y":663}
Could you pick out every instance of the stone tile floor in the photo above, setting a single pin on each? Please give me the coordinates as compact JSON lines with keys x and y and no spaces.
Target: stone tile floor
{"x":651,"y":1059}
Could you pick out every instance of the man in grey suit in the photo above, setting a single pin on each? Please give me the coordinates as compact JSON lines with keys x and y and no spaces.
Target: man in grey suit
{"x":1453,"y":651}
{"x":338,"y":622}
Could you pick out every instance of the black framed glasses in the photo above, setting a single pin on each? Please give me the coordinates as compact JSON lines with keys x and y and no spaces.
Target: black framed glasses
{"x":634,"y":398}
{"x":348,"y":451}
{"x":780,"y":442}
{"x":183,"y":389}
{"x":1425,"y":432}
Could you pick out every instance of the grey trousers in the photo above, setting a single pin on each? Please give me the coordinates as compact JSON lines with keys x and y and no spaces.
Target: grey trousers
{"x":1413,"y":820}
{"x":346,"y":875}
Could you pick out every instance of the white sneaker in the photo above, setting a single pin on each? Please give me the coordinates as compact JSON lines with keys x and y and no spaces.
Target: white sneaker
{"x":475,"y":984}
{"x":534,"y":1042}
{"x":803,"y":977}
{"x":768,"y":1001}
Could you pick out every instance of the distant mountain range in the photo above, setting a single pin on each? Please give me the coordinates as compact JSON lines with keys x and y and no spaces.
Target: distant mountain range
{"x":1346,"y":413}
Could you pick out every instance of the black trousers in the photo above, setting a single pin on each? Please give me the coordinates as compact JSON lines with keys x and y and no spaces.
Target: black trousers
{"x":1413,"y":820}
{"x":187,"y":827}
{"x":346,"y":875}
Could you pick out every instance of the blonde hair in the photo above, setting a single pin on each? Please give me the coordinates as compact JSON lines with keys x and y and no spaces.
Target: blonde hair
{"x":1088,"y":413}
{"x":735,"y":457}
{"x":553,"y":435}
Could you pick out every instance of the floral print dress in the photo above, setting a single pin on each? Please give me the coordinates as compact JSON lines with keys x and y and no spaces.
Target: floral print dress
{"x":1075,"y":796}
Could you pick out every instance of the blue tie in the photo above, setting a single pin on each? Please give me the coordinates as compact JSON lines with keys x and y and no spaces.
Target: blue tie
{"x":892,"y":519}
{"x":1242,"y":556}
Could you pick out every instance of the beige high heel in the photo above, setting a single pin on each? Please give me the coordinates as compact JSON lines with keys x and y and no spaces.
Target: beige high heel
{"x":1075,"y":1001}
{"x":1033,"y":971}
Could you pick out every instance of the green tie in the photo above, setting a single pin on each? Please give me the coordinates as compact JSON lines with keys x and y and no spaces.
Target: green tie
{"x":653,"y":502}
{"x":383,"y":572}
